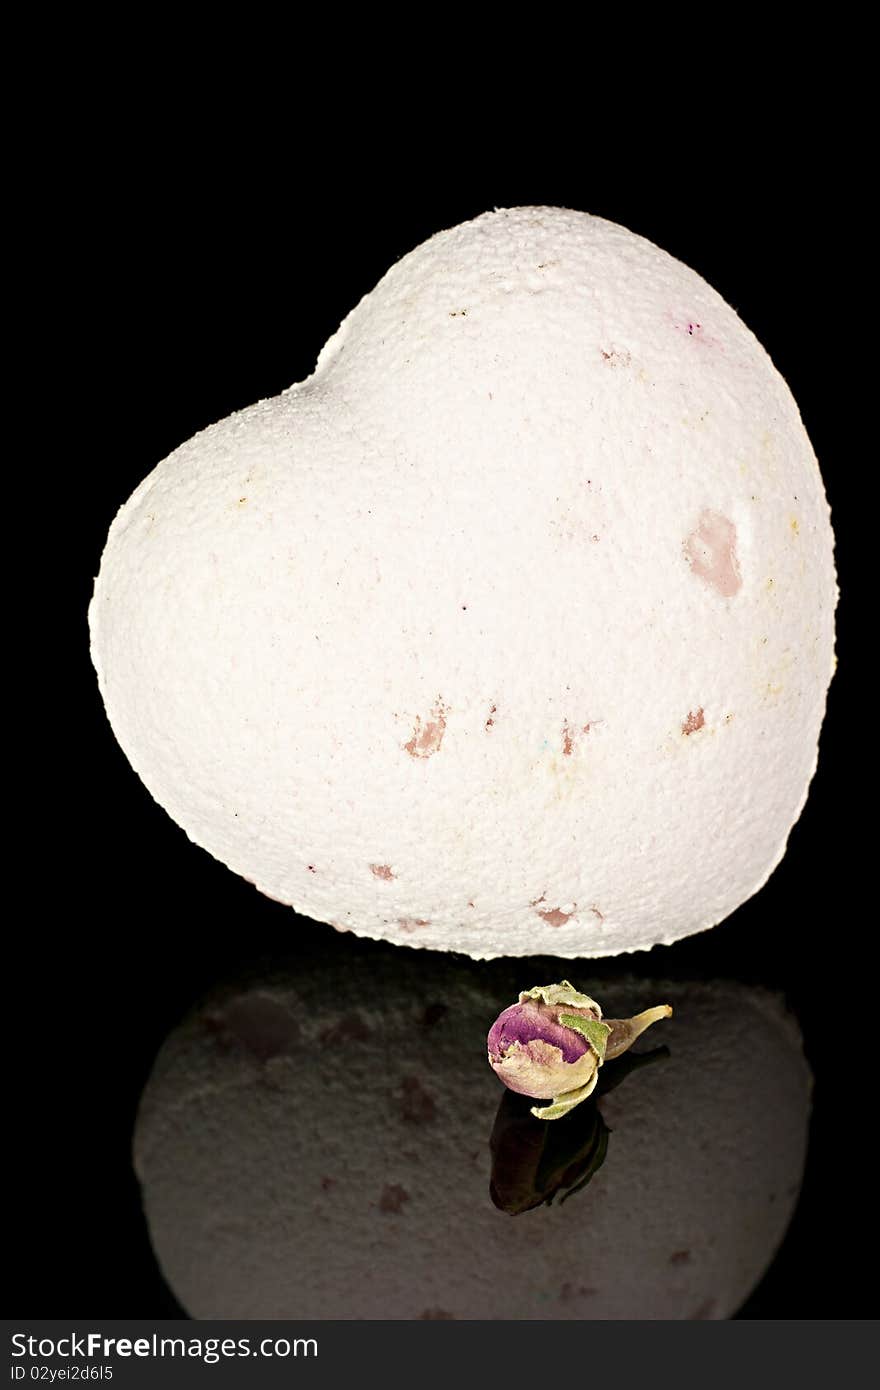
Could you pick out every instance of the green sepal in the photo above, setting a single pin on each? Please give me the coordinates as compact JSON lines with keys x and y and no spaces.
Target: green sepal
{"x":563,"y":993}
{"x":560,"y":1105}
{"x":596,"y":1033}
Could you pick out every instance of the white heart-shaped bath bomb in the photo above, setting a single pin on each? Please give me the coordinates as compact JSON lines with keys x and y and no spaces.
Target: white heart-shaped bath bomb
{"x":507,"y":631}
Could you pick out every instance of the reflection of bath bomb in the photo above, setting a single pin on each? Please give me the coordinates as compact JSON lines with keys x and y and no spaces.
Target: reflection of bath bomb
{"x":507,"y":631}
{"x":321,"y":1150}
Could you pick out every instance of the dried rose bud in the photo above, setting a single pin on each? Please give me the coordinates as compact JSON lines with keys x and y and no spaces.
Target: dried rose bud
{"x":537,"y":1054}
{"x":552,"y":1042}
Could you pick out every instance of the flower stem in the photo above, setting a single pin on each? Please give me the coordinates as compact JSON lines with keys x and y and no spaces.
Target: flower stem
{"x":624,"y":1031}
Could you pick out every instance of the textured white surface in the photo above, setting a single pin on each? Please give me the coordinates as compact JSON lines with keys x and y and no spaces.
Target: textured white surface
{"x":317,"y":1150}
{"x":507,"y":631}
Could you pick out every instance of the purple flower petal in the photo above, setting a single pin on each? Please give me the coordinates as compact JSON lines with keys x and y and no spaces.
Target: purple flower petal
{"x":525,"y":1023}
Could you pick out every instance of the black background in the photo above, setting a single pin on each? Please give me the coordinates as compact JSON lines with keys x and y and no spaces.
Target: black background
{"x":191,"y":273}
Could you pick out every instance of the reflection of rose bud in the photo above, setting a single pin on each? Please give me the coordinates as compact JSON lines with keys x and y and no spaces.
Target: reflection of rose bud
{"x":533,"y":1161}
{"x":552,"y":1042}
